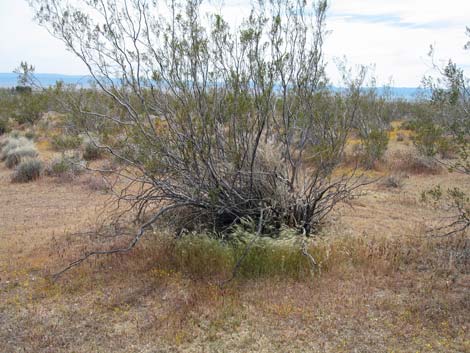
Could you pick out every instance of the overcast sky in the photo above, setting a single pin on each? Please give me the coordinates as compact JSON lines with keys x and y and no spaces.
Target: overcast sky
{"x":392,"y":34}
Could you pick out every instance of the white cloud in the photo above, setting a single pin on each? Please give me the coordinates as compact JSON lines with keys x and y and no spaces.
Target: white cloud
{"x":394,"y":35}
{"x":22,"y":39}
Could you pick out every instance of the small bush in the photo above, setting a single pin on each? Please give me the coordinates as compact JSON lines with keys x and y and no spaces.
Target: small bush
{"x":446,"y":148}
{"x":66,"y":142}
{"x":414,"y":164}
{"x":66,"y":167}
{"x":28,"y":170}
{"x":372,"y":148}
{"x":15,"y":156}
{"x":393,"y":181}
{"x":12,"y":143}
{"x":91,"y":152}
{"x":97,"y":183}
{"x":427,"y":138}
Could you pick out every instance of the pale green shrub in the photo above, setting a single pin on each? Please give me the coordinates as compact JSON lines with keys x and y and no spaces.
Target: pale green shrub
{"x":15,"y":156}
{"x":28,"y":170}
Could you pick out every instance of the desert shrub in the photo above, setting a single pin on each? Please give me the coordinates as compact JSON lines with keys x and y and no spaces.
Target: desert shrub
{"x":15,"y":156}
{"x":91,"y":152}
{"x":66,"y":142}
{"x":97,"y":183}
{"x":374,"y":146}
{"x":393,"y":181}
{"x":456,"y":202}
{"x":208,"y":135}
{"x":413,"y":163}
{"x":13,"y":142}
{"x":427,"y":137}
{"x":64,"y":167}
{"x":28,"y":170}
{"x":213,"y":148}
{"x":446,"y":147}
{"x":450,"y":97}
{"x":27,"y":106}
{"x":372,"y":121}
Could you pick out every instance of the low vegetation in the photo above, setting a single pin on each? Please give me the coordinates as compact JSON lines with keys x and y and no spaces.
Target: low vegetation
{"x":65,"y":167}
{"x":63,"y":142}
{"x":264,"y":211}
{"x":91,"y":152}
{"x":27,"y":170}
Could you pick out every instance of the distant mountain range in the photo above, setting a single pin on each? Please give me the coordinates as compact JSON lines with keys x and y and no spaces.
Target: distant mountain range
{"x":10,"y":80}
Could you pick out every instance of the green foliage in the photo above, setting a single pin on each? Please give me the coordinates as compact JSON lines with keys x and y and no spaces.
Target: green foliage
{"x":372,"y":121}
{"x":66,"y":142}
{"x":29,"y":106}
{"x":432,"y":195}
{"x":454,"y":201}
{"x":446,"y":147}
{"x":428,"y":137}
{"x":202,"y":255}
{"x":374,"y":146}
{"x":23,"y":106}
{"x":450,"y":98}
{"x":28,"y":170}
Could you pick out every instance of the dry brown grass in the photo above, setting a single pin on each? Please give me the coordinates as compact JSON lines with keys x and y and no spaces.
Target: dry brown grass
{"x":383,"y":287}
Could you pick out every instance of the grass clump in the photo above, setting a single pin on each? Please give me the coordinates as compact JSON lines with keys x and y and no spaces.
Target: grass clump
{"x":203,"y":256}
{"x":28,"y":170}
